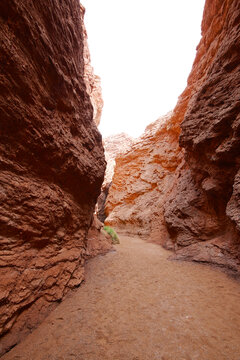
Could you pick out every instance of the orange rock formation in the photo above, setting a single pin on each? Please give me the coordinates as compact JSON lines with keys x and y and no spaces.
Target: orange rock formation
{"x":113,"y":146}
{"x":143,"y":176}
{"x":198,"y":201}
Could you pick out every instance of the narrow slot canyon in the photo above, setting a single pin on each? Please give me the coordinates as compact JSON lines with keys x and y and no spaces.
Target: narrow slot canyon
{"x":168,"y":288}
{"x":135,"y":304}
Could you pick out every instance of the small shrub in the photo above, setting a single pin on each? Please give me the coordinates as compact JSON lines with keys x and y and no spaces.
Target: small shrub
{"x":113,"y":234}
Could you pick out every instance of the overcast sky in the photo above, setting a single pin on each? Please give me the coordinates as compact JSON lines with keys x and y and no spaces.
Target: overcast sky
{"x":143,"y":51}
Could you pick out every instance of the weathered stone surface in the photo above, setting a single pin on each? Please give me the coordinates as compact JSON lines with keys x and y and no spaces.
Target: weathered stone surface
{"x":51,"y":163}
{"x":98,"y":240}
{"x":188,"y":212}
{"x":100,"y":207}
{"x":199,"y":202}
{"x":233,"y":206}
{"x":207,"y":192}
{"x":142,"y":179}
{"x":114,"y":145}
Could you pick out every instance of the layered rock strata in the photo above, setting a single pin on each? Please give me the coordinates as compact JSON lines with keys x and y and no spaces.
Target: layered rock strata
{"x":51,"y":163}
{"x":142,"y":179}
{"x":202,"y":213}
{"x":114,"y":145}
{"x":98,"y":240}
{"x":200,"y":207}
{"x":101,"y":203}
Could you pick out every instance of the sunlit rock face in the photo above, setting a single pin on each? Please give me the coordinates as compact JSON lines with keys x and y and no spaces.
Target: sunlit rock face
{"x":142,"y":178}
{"x":114,"y":145}
{"x":52,"y":160}
{"x":198,"y":199}
{"x":202,"y":213}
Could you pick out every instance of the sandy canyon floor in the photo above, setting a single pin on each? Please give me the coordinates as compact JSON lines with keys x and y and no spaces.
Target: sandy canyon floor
{"x":137,"y":305}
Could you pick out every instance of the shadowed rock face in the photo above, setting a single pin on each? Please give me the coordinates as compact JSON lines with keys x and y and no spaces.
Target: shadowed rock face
{"x":206,"y":196}
{"x":51,"y":163}
{"x":200,"y":206}
{"x":101,"y":214}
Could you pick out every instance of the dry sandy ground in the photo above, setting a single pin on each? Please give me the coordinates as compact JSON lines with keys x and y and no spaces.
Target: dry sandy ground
{"x":137,"y":305}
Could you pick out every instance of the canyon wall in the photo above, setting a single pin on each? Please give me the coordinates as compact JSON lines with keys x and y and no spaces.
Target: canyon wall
{"x":114,"y":145}
{"x":51,"y":163}
{"x":199,"y":205}
{"x":202,"y":213}
{"x":143,"y":176}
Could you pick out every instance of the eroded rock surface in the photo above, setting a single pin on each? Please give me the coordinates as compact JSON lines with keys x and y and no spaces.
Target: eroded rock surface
{"x":98,"y":240}
{"x":199,"y":200}
{"x":143,"y":176}
{"x":114,"y":145}
{"x":100,"y":207}
{"x":206,"y":195}
{"x":52,"y":160}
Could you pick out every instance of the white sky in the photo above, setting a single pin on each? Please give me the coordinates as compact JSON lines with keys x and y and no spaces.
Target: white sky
{"x":143,"y":51}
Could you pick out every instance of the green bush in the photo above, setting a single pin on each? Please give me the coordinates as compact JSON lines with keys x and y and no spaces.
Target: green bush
{"x":113,"y":234}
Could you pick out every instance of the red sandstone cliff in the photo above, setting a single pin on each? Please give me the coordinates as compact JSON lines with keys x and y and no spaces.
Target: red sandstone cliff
{"x":202,"y":213}
{"x":51,"y":163}
{"x":114,"y":145}
{"x":143,"y":176}
{"x":200,"y":206}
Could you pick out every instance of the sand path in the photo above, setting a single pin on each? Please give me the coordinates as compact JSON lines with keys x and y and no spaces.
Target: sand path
{"x":137,"y":305}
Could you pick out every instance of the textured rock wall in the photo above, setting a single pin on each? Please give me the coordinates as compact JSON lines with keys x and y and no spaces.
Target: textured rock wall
{"x":200,"y":205}
{"x":202,"y":213}
{"x":101,"y":202}
{"x":51,"y":160}
{"x":114,"y":145}
{"x":142,"y":178}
